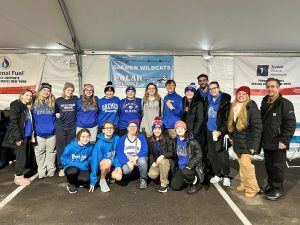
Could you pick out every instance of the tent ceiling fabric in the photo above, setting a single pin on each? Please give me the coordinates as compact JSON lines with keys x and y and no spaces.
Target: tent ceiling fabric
{"x":157,"y":25}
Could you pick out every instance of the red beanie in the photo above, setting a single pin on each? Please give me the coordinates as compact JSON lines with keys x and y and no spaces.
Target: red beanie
{"x":244,"y":88}
{"x":180,"y":123}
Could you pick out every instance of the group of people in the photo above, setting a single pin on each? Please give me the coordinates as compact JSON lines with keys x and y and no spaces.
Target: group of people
{"x":178,"y":140}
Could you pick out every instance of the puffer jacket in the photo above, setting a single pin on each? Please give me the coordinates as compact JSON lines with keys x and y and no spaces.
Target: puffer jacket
{"x":250,"y":137}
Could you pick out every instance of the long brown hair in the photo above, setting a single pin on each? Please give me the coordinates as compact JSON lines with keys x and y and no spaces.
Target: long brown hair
{"x":146,"y":95}
{"x":242,"y":118}
{"x":85,"y":101}
{"x":29,"y":105}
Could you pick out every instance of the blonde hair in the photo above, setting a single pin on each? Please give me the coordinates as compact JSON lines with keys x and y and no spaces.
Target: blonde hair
{"x":38,"y":99}
{"x":85,"y":101}
{"x":242,"y":117}
{"x":146,"y":95}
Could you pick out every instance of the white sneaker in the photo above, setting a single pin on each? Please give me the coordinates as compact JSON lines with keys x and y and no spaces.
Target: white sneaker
{"x":215,"y":179}
{"x":61,"y":173}
{"x":226,"y":182}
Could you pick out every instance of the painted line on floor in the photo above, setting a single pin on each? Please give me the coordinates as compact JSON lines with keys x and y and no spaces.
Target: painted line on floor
{"x":232,"y":205}
{"x":15,"y":193}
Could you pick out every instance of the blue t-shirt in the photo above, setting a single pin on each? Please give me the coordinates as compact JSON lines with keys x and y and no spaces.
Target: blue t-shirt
{"x":181,"y":150}
{"x":28,"y":125}
{"x":157,"y":144}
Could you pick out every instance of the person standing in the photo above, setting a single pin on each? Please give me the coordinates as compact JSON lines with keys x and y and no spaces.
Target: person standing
{"x":65,"y":122}
{"x":217,"y":115}
{"x":108,"y":108}
{"x":172,"y":108}
{"x":245,"y":127}
{"x":279,"y":124}
{"x":87,"y":112}
{"x":203,"y":90}
{"x":130,"y":108}
{"x":19,"y":133}
{"x":192,"y":112}
{"x":43,"y":113}
{"x":152,"y":107}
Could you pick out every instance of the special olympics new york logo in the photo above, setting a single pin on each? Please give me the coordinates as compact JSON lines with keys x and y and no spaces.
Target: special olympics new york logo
{"x":4,"y":62}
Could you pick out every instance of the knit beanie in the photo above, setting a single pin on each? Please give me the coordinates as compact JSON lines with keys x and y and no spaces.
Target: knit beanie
{"x":45,"y":85}
{"x":180,"y":123}
{"x":68,"y":85}
{"x":88,"y":87}
{"x":244,"y":88}
{"x":109,"y":87}
{"x":130,"y":88}
{"x":135,"y":121}
{"x":157,"y":123}
{"x":190,"y":87}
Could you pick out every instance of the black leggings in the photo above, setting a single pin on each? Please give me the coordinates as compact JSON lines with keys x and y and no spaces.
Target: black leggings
{"x":76,"y":176}
{"x":181,"y":178}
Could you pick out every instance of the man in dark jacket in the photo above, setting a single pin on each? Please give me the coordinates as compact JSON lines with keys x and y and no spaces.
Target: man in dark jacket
{"x":217,"y":115}
{"x":279,"y":123}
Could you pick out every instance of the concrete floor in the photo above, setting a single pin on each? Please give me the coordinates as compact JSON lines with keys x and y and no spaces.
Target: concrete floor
{"x":47,"y":202}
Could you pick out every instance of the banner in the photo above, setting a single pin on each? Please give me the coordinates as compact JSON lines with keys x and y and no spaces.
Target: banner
{"x":140,"y":70}
{"x":254,"y":71}
{"x":19,"y":72}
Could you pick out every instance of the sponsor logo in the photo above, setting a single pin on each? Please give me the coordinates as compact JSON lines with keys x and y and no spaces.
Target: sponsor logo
{"x":5,"y":62}
{"x":262,"y":70}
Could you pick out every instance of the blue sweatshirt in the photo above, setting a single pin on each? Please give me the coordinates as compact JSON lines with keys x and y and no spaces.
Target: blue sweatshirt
{"x":108,"y":111}
{"x":128,"y":110}
{"x":104,"y":149}
{"x":181,"y":150}
{"x":77,"y":155}
{"x":127,"y":149}
{"x":170,"y":117}
{"x":86,"y":118}
{"x":67,"y":110}
{"x":212,"y":112}
{"x":44,"y":119}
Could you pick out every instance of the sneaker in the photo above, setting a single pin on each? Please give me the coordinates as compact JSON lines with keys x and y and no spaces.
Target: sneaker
{"x":275,"y":195}
{"x":215,"y":179}
{"x":193,"y":189}
{"x":103,"y":186}
{"x":226,"y":182}
{"x":51,"y":173}
{"x":143,"y":184}
{"x":42,"y":175}
{"x":22,"y":181}
{"x":72,"y":188}
{"x":163,"y":189}
{"x":61,"y":173}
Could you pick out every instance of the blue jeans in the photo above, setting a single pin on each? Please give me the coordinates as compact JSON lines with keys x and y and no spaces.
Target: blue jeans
{"x":142,"y":164}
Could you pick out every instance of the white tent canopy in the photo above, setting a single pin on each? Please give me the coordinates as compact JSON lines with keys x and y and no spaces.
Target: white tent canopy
{"x":141,"y":25}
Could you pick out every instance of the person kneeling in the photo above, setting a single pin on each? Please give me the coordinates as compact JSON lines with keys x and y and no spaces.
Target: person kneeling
{"x":161,"y":152}
{"x":189,"y":155}
{"x":76,"y":160}
{"x":132,"y":151}
{"x":104,"y":157}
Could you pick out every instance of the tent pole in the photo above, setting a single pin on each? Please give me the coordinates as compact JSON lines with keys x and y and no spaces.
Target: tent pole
{"x":77,"y":49}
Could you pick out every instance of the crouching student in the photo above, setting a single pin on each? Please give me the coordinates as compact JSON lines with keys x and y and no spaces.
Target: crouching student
{"x":161,"y":155}
{"x":189,"y":156}
{"x":132,"y":151}
{"x":76,"y":160}
{"x":104,"y":157}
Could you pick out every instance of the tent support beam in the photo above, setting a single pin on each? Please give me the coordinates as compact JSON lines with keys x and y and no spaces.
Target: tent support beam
{"x":77,"y":48}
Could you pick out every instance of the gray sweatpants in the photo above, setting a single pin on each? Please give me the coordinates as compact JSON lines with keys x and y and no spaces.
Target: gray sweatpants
{"x":45,"y":154}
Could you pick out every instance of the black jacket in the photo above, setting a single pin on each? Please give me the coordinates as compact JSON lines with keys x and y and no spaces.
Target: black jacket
{"x":194,"y":153}
{"x":166,"y":148}
{"x":15,"y":130}
{"x":223,"y":112}
{"x":279,"y":123}
{"x":250,"y":137}
{"x":194,"y":116}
